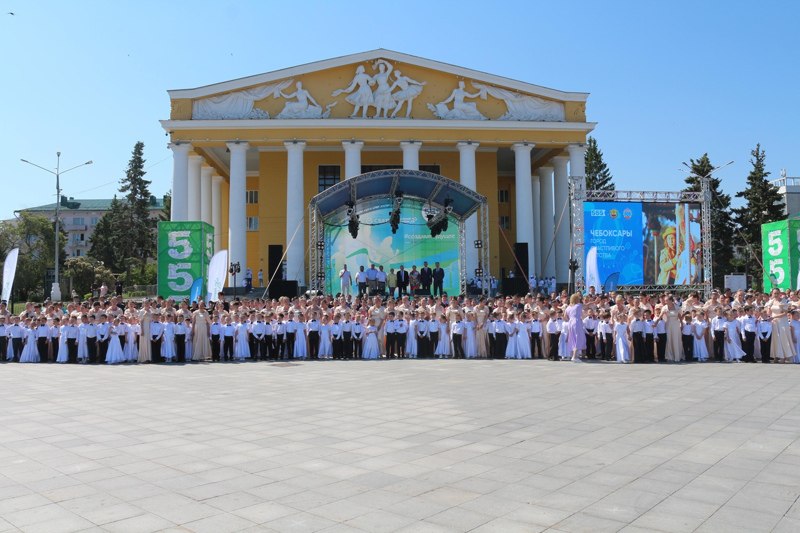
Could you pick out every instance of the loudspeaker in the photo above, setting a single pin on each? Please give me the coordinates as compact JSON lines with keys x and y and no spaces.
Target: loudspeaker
{"x":422,"y":292}
{"x":274,"y":253}
{"x":521,"y":252}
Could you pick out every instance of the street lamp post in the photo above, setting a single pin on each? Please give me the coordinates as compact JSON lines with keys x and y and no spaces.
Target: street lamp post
{"x":55,"y":294}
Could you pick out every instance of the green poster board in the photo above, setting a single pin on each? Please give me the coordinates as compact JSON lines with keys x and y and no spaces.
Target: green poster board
{"x":780,"y":243}
{"x":184,"y":251}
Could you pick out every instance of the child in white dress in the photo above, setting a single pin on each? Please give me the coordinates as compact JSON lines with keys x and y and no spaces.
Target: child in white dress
{"x":115,"y":354}
{"x":622,"y":339}
{"x":700,"y":342}
{"x":371,"y":350}
{"x":63,"y":356}
{"x":168,"y":352}
{"x":242,"y":349}
{"x":733,"y":335}
{"x":189,"y":344}
{"x":411,"y":338}
{"x":524,"y":337}
{"x":511,"y":328}
{"x":30,"y":353}
{"x":470,"y":345}
{"x":325,"y":339}
{"x":132,"y":333}
{"x":300,"y":341}
{"x":794,"y":326}
{"x":443,"y":346}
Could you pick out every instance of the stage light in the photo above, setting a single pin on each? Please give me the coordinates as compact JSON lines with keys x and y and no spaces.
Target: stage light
{"x":352,"y":224}
{"x":394,"y":214}
{"x":478,"y":243}
{"x":320,"y":245}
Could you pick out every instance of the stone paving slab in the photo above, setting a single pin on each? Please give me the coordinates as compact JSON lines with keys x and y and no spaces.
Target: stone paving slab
{"x":411,"y":445}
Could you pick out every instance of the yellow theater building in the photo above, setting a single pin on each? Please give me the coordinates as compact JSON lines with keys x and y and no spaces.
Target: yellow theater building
{"x":249,"y":154}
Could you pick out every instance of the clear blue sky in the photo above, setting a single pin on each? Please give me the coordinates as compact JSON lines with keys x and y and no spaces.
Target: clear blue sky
{"x":668,"y":81}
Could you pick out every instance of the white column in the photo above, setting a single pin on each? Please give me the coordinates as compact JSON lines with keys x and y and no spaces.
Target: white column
{"x":466,"y":159}
{"x":193,"y":207}
{"x":536,"y":193}
{"x":216,"y":211}
{"x":352,"y":158}
{"x":205,"y":194}
{"x":295,"y":209}
{"x":180,"y":181}
{"x":411,"y":154}
{"x":237,"y":208}
{"x":577,"y":159}
{"x":548,"y":225}
{"x":562,"y":218}
{"x":524,"y":198}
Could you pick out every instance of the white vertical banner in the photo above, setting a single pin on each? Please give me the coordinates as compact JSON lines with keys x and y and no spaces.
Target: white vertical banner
{"x":217,"y":271}
{"x":9,"y":271}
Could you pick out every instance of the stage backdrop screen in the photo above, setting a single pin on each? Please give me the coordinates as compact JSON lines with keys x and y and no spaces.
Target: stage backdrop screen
{"x":633,"y":243}
{"x":411,"y":245}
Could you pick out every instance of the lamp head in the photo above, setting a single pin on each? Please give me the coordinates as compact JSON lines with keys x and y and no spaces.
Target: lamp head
{"x":88,"y":163}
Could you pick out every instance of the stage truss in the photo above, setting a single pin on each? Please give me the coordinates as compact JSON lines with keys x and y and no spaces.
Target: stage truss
{"x":479,"y":204}
{"x":579,"y":194}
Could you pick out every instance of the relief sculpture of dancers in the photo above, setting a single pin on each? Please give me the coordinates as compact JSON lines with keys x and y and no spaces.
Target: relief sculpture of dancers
{"x":359,"y":92}
{"x":409,"y":89}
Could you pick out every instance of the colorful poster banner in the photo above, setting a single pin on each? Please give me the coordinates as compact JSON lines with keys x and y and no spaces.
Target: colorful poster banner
{"x":9,"y":271}
{"x":634,"y":243}
{"x":410,"y":246}
{"x":184,"y":251}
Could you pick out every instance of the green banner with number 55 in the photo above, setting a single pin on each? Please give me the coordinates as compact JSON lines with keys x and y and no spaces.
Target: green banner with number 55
{"x":184,"y":251}
{"x":781,"y":253}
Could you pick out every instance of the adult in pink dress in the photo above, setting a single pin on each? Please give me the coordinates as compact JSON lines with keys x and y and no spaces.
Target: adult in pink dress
{"x":576,"y":336}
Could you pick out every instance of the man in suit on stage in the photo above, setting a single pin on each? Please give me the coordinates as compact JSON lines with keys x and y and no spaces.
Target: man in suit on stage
{"x":426,"y":278}
{"x":402,"y":280}
{"x":438,"y":279}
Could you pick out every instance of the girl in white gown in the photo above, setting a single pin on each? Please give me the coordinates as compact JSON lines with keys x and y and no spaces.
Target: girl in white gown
{"x":411,"y":339}
{"x":242,"y":349}
{"x":524,"y":338}
{"x":83,"y":349}
{"x":132,"y":333}
{"x":168,"y":352}
{"x":63,"y":356}
{"x":115,"y":354}
{"x":371,"y":350}
{"x":733,"y":343}
{"x":794,"y":326}
{"x":470,"y":346}
{"x":700,"y":328}
{"x":512,"y":328}
{"x":300,"y":341}
{"x":30,"y":353}
{"x":325,"y":341}
{"x":622,"y":339}
{"x":443,"y":346}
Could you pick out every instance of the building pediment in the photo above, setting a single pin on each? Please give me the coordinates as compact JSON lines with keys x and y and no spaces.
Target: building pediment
{"x":377,"y":84}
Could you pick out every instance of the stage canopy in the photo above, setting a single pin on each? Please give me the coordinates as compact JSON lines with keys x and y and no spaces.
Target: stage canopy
{"x":379,"y":188}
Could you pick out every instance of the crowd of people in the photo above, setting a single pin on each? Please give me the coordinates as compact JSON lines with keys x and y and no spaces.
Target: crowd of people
{"x":625,"y":328}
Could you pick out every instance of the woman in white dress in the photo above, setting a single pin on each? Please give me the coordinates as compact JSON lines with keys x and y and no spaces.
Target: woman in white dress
{"x":411,"y":338}
{"x":700,"y":333}
{"x":443,"y":347}
{"x":622,"y":339}
{"x":30,"y":353}
{"x":733,"y":344}
{"x":325,"y":339}
{"x":371,"y":350}
{"x":524,"y":337}
{"x":512,"y":328}
{"x":115,"y":354}
{"x":300,"y":341}
{"x":470,"y":345}
{"x":242,"y":349}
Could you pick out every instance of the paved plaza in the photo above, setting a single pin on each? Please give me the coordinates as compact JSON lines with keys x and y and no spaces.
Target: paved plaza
{"x":412,"y":445}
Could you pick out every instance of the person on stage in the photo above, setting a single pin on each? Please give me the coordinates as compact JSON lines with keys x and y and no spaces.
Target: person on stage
{"x":438,"y":280}
{"x":426,"y":278}
{"x":345,"y":281}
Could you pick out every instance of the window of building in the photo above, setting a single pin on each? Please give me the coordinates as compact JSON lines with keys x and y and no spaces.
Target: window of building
{"x":78,"y":253}
{"x":252,"y":223}
{"x":505,"y":222}
{"x":78,"y":237}
{"x":329,"y":175}
{"x":433,"y":169}
{"x":78,"y":221}
{"x":95,"y":220}
{"x":252,"y":197}
{"x":502,"y":196}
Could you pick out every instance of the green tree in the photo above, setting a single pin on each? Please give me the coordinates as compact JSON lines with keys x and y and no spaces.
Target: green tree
{"x":111,"y":238}
{"x":598,"y":177}
{"x":84,"y":271}
{"x":166,"y":215}
{"x":35,"y":236}
{"x":139,"y":228}
{"x":722,"y":228}
{"x":762,"y":204}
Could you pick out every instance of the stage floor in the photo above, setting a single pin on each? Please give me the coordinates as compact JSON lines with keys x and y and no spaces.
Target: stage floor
{"x":411,"y":445}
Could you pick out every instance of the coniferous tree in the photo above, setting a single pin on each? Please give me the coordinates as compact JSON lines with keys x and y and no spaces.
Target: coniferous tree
{"x":111,"y":239}
{"x":721,"y":222}
{"x":598,"y":177}
{"x":166,"y":214}
{"x":762,"y":205}
{"x":140,"y":226}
